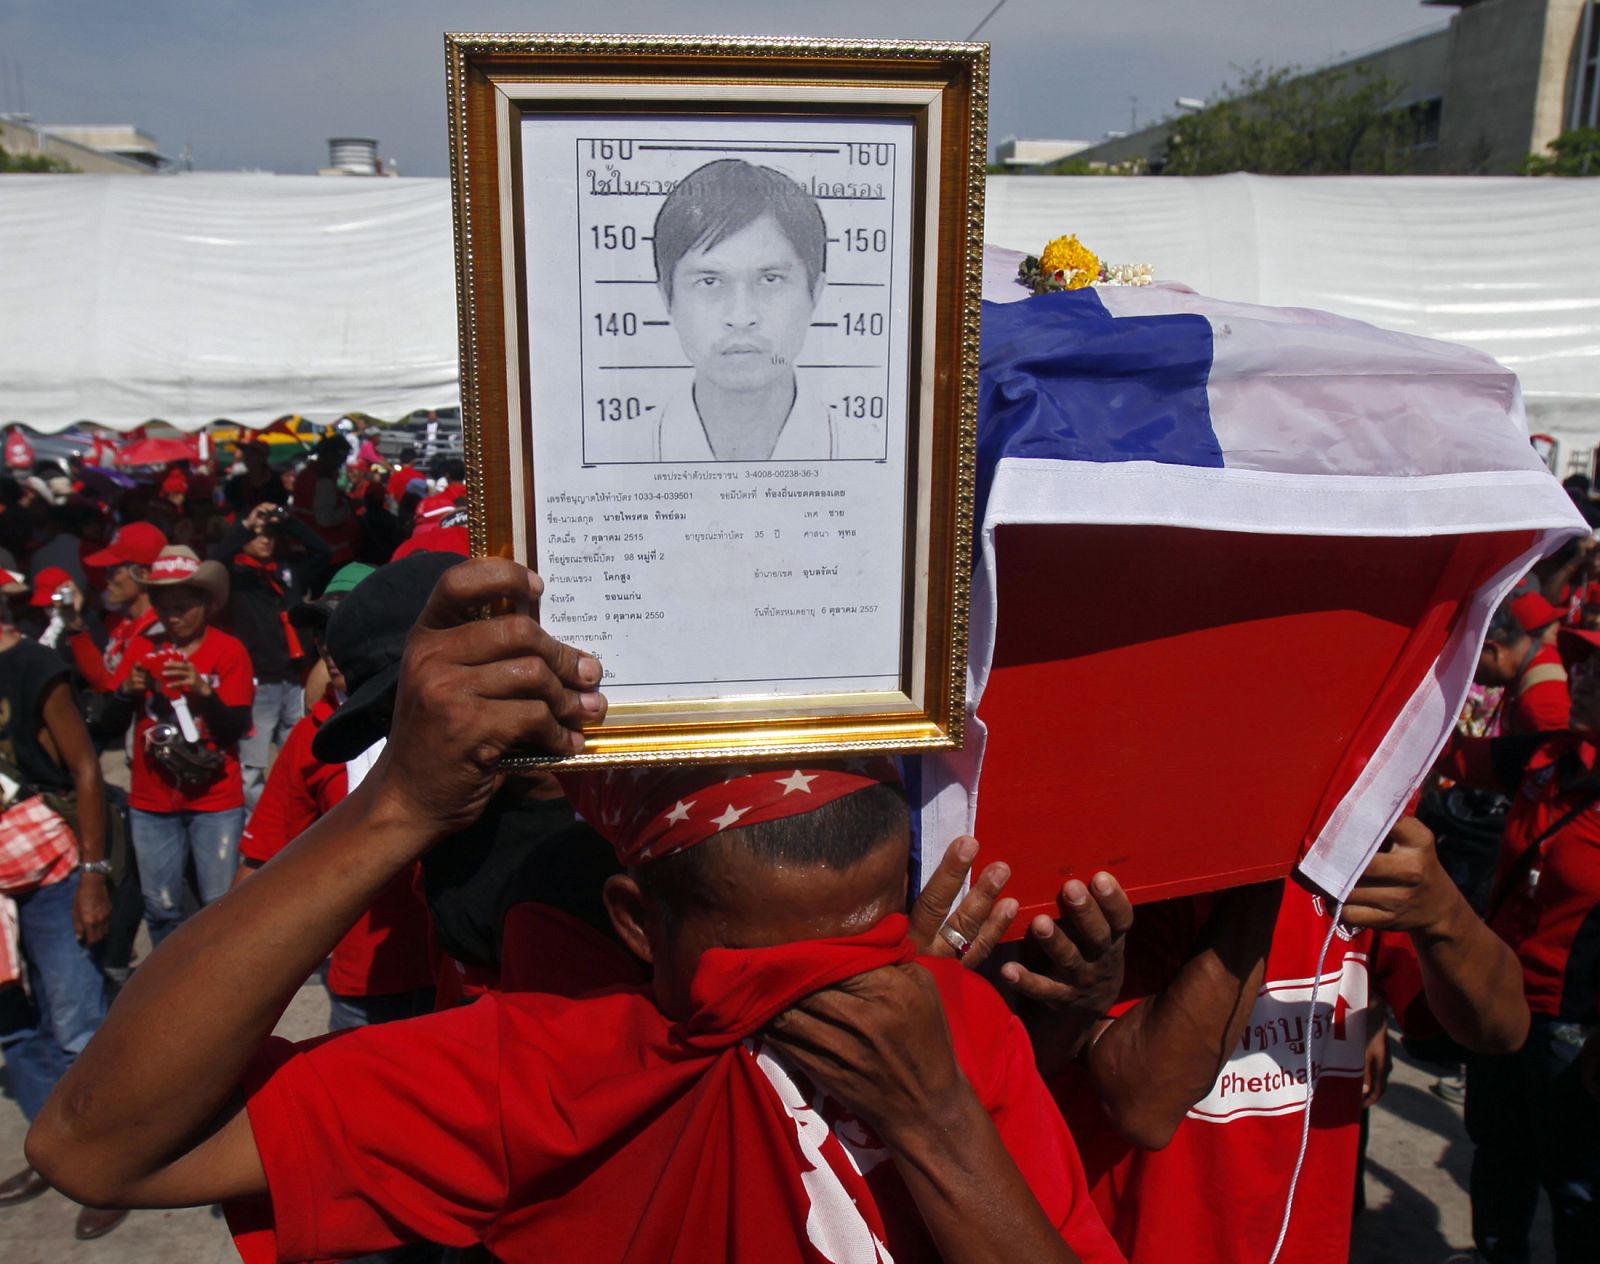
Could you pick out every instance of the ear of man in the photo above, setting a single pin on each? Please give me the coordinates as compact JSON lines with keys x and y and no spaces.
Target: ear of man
{"x":628,"y":909}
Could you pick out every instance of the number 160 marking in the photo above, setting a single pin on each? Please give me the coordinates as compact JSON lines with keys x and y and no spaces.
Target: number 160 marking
{"x":870,"y":155}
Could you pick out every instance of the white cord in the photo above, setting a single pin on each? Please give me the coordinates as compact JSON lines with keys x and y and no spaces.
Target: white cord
{"x":1311,"y":1084}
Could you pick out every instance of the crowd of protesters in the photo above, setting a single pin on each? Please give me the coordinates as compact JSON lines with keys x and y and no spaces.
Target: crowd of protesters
{"x":164,"y":619}
{"x":673,"y":1014}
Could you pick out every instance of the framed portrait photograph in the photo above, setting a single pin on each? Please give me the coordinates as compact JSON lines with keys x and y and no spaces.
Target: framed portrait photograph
{"x":719,"y":305}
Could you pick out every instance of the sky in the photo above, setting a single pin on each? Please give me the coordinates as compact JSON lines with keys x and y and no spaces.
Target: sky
{"x":262,"y":85}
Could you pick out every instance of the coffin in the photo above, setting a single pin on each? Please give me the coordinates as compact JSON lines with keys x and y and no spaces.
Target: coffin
{"x":1232,"y":570}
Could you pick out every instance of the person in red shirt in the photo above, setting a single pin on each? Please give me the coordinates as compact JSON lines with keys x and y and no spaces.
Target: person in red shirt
{"x":1516,"y":658}
{"x":402,"y":478}
{"x":127,"y":560}
{"x":192,"y":686}
{"x":382,"y":969}
{"x":1188,"y":1102}
{"x":1531,"y":1123}
{"x":791,"y":1086}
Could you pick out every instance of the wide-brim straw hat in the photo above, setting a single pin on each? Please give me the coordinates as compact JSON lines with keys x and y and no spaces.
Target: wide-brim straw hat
{"x":178,"y":564}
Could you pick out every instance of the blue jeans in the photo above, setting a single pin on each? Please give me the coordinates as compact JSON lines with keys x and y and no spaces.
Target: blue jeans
{"x":1534,"y":1125}
{"x":279,"y":706}
{"x":164,"y":842}
{"x":41,"y":1037}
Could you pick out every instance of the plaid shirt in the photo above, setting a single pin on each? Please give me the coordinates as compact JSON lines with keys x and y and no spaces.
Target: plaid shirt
{"x":37,"y":848}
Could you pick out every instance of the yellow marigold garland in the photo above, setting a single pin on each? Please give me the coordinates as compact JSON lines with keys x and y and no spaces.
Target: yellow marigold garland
{"x":1070,"y":263}
{"x":1067,"y":264}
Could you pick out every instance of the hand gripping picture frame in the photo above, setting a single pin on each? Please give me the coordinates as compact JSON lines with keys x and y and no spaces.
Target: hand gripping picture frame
{"x":719,"y":315}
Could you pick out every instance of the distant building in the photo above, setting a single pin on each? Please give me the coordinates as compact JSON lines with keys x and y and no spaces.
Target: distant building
{"x":356,"y":156}
{"x":1501,"y":81}
{"x":1021,"y":155}
{"x":101,"y":149}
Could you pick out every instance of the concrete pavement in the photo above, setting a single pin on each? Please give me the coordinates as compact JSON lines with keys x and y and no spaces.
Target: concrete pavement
{"x":40,"y":1232}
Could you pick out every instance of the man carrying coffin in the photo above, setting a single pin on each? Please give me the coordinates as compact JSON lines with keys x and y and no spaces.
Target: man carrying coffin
{"x":1190,"y":1104}
{"x":678,"y":1121}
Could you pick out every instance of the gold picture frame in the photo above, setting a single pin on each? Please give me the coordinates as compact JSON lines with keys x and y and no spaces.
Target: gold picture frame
{"x":719,"y":315}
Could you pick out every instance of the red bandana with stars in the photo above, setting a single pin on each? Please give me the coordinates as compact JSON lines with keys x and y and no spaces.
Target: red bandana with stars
{"x":647,"y":813}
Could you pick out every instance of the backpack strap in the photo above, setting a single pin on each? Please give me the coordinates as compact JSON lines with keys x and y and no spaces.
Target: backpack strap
{"x":1543,"y":674}
{"x":1529,"y":855}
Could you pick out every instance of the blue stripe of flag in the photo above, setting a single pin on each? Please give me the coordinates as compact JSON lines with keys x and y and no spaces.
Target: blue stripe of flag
{"x":1062,"y":379}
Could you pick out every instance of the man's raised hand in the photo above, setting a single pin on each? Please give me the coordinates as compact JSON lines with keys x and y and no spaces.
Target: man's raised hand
{"x":1404,"y":887}
{"x":877,"y":1044}
{"x":479,"y":678}
{"x":1082,"y":960}
{"x":979,"y":920}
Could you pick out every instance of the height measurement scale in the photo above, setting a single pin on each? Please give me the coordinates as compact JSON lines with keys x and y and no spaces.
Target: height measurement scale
{"x":632,"y":359}
{"x":652,"y":551}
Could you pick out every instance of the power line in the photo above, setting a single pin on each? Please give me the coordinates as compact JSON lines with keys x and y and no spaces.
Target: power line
{"x":972,"y":34}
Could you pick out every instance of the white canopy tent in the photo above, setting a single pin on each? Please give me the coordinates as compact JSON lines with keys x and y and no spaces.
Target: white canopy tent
{"x":198,"y":297}
{"x":1509,"y":266}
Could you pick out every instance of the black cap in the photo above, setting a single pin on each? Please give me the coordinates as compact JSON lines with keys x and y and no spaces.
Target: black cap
{"x":366,"y":637}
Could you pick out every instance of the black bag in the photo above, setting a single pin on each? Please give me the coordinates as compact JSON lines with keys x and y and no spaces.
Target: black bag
{"x":193,"y":765}
{"x":1468,"y":825}
{"x":107,"y":716}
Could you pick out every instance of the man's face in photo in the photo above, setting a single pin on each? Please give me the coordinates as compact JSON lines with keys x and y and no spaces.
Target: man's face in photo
{"x":742,"y":309}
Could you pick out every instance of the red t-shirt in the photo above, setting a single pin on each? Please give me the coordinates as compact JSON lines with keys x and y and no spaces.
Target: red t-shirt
{"x":224,"y":662}
{"x":563,"y":1130}
{"x":1541,"y":708}
{"x":386,"y":951}
{"x":1217,"y":1191}
{"x":1550,"y":910}
{"x":401,"y":479}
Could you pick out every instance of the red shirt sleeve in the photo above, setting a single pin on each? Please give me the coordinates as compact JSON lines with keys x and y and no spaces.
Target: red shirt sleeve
{"x":237,"y":675}
{"x":376,"y":1137}
{"x":92,"y":666}
{"x":995,"y":1052}
{"x":287,"y":807}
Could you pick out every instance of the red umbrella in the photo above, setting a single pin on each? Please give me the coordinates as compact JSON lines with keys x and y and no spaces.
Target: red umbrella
{"x":156,"y":452}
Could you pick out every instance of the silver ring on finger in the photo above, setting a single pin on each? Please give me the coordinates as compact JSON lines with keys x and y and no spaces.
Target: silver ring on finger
{"x":955,"y":939}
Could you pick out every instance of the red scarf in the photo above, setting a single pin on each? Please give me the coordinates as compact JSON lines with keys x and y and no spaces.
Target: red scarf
{"x":699,"y":1145}
{"x":269,"y":572}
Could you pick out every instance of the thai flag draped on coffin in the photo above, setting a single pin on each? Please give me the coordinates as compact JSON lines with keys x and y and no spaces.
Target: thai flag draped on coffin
{"x":1231,"y":573}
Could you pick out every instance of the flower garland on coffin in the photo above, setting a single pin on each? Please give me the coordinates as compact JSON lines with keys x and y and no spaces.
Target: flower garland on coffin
{"x":1067,"y":264}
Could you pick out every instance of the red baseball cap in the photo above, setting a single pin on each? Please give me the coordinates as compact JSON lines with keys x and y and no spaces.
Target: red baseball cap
{"x":1535,"y":613}
{"x":138,"y":542}
{"x":45,"y":584}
